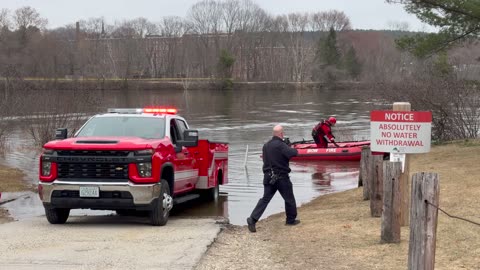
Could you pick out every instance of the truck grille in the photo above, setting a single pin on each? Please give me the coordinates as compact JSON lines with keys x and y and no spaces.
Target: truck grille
{"x":93,"y":170}
{"x":100,"y":153}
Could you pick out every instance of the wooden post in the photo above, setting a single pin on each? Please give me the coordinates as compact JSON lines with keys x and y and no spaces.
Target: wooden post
{"x":363,"y":168}
{"x":376,"y":202}
{"x":405,"y":187}
{"x":423,"y":226}
{"x":391,"y":202}
{"x":360,"y":174}
{"x":365,"y":171}
{"x":404,"y":178}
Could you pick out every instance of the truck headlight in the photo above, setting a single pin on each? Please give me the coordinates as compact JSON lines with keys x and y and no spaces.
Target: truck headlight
{"x":46,"y":168}
{"x":144,"y":169}
{"x":48,"y":151}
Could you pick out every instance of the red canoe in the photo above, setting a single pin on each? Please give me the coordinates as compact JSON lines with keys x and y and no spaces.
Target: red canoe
{"x":348,"y":151}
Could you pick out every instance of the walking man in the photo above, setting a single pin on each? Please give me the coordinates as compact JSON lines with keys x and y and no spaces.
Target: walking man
{"x":276,"y":157}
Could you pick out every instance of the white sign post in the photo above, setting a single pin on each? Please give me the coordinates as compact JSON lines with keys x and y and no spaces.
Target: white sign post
{"x":397,"y":157}
{"x":400,"y":132}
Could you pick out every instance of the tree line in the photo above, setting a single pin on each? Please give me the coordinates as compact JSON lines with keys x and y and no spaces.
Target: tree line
{"x":217,"y":39}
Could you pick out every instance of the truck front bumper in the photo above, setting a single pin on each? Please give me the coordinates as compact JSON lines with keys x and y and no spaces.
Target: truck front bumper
{"x":60,"y":194}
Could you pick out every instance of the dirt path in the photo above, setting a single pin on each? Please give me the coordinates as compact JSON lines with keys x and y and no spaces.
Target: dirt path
{"x":337,"y":231}
{"x":105,"y":242}
{"x":4,"y":217}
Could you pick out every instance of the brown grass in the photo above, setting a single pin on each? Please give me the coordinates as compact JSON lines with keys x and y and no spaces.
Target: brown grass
{"x":11,"y":180}
{"x":337,"y":231}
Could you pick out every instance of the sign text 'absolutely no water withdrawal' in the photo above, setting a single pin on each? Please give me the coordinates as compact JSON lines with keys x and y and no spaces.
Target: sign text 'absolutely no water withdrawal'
{"x":400,"y":132}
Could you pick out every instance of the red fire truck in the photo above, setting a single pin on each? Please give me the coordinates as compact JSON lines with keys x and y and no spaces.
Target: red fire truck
{"x":130,"y":160}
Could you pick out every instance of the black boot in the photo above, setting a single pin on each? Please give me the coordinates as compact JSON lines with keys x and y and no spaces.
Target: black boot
{"x":251,"y":225}
{"x":293,"y":223}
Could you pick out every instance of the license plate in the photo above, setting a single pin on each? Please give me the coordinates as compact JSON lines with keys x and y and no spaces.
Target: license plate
{"x":93,"y":192}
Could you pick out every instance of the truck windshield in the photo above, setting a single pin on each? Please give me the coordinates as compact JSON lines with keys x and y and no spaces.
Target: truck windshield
{"x":143,"y":127}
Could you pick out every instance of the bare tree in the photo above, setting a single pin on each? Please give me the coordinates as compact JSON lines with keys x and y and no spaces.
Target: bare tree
{"x":324,"y":20}
{"x":298,"y":46}
{"x":377,"y":52}
{"x":231,"y":19}
{"x":93,"y":27}
{"x":43,"y":56}
{"x":4,"y":40}
{"x":252,"y":18}
{"x":173,"y":26}
{"x":129,"y":51}
{"x":143,"y":27}
{"x":169,"y":51}
{"x":207,"y":23}
{"x":274,"y":60}
{"x":252,"y":22}
{"x":455,"y":104}
{"x":26,"y":17}
{"x":4,"y":19}
{"x":66,"y":109}
{"x":91,"y":52}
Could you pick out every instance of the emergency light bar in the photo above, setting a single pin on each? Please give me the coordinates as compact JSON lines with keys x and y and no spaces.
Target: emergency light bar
{"x":121,"y":110}
{"x":160,"y":110}
{"x":154,"y":110}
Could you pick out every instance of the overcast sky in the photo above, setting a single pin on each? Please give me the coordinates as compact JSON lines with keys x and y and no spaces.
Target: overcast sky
{"x":364,"y":14}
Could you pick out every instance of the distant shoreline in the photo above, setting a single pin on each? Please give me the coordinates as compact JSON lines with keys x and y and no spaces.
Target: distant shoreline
{"x":178,"y":84}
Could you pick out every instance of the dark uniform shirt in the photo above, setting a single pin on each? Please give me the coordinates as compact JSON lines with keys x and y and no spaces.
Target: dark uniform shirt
{"x":277,"y":154}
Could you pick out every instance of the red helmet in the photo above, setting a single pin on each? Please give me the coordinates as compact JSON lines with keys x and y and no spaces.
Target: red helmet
{"x":332,"y":120}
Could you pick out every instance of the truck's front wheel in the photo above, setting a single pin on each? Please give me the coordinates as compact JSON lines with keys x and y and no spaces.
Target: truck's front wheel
{"x":210,"y":195}
{"x":57,"y":215}
{"x":161,"y":210}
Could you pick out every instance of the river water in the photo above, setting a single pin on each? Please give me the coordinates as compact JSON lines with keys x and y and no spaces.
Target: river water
{"x":244,"y":119}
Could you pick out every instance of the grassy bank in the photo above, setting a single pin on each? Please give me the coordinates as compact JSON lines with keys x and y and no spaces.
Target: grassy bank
{"x":337,"y":231}
{"x":11,"y":180}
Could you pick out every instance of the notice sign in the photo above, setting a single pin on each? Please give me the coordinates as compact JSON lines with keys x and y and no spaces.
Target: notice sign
{"x":400,"y":132}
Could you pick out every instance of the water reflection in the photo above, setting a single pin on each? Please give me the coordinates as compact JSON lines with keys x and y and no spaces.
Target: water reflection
{"x":326,"y":170}
{"x":199,"y":208}
{"x":243,"y":118}
{"x":330,"y":176}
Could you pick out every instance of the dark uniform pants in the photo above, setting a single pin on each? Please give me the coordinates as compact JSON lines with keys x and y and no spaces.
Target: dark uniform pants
{"x":284,"y":186}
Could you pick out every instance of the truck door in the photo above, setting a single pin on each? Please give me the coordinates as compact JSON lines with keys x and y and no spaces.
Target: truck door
{"x":185,"y":174}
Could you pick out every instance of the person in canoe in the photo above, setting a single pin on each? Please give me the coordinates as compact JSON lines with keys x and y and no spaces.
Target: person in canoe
{"x":322,"y":133}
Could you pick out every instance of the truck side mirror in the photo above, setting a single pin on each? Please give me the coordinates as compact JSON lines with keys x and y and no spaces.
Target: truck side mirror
{"x":190,"y":138}
{"x":61,"y":133}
